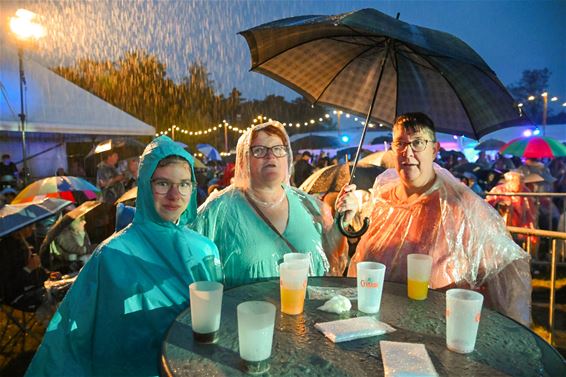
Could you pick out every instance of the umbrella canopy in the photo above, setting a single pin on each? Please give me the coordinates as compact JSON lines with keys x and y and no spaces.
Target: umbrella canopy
{"x":74,"y":189}
{"x":367,"y":62}
{"x":128,"y":195}
{"x":489,"y":145}
{"x":64,"y":222}
{"x":382,"y":139}
{"x":333,"y":178}
{"x":126,"y":148}
{"x":534,"y":147}
{"x":17,"y":216}
{"x":209,"y":151}
{"x":384,"y":159}
{"x":316,"y":142}
{"x":350,"y":152}
{"x":471,"y":167}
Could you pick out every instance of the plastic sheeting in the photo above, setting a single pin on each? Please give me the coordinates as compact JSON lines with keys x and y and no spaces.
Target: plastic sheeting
{"x":116,"y":314}
{"x":249,"y":248}
{"x":465,"y":236}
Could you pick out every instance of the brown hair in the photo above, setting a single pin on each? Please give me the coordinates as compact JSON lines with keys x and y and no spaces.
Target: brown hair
{"x":171,"y":159}
{"x":270,"y":130}
{"x":415,"y":122}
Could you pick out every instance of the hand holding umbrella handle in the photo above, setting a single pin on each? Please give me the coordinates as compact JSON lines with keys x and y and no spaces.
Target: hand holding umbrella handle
{"x":347,"y":233}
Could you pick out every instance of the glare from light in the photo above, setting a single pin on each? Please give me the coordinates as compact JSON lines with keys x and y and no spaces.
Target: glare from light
{"x":23,"y":26}
{"x":528,"y":133}
{"x":536,"y":132}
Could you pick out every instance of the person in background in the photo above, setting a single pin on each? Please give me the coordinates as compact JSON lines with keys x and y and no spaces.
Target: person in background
{"x":8,"y":167}
{"x":483,"y":161}
{"x":131,"y":173}
{"x":302,"y":168}
{"x":113,"y":319}
{"x":260,"y":217}
{"x":111,"y":183}
{"x":419,"y":207}
{"x":60,"y":172}
{"x":71,"y":248}
{"x":76,"y":170}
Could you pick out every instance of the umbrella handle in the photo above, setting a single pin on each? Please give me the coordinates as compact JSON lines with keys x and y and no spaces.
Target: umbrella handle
{"x":349,"y":234}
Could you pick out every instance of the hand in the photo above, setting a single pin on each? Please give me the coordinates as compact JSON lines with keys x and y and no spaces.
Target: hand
{"x":347,"y":203}
{"x":33,"y":262}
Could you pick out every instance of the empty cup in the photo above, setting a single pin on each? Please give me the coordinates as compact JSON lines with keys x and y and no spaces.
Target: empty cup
{"x":298,"y":257}
{"x":256,"y":321}
{"x":419,"y":267}
{"x":293,"y":284}
{"x":206,"y":306}
{"x":463,"y":312}
{"x":370,"y":286}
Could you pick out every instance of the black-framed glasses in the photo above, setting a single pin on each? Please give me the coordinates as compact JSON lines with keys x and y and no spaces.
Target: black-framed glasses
{"x":260,"y":151}
{"x":162,"y":186}
{"x":417,"y":145}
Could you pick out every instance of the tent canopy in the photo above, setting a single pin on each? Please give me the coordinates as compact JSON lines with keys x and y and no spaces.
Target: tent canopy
{"x":56,"y":105}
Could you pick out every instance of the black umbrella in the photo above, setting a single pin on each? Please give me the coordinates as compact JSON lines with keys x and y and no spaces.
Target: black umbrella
{"x":366,"y":62}
{"x":382,"y":139}
{"x":316,"y":142}
{"x":350,"y":152}
{"x":333,"y":178}
{"x":125,"y":147}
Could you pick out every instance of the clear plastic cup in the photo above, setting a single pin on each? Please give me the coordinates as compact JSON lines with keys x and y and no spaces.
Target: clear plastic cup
{"x":463,"y":312}
{"x":293,"y":284}
{"x":419,"y":267}
{"x":370,"y":286}
{"x":256,"y":321}
{"x":206,"y":308}
{"x":299,"y":257}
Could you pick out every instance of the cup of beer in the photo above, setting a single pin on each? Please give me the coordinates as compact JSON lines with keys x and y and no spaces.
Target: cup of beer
{"x":463,"y":312}
{"x":293,"y":286}
{"x":370,"y":286}
{"x":419,"y":267}
{"x":206,"y":307}
{"x":298,"y":257}
{"x":256,"y":322}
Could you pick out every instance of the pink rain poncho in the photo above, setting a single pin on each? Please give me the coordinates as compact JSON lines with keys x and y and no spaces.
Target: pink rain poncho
{"x":465,"y":236}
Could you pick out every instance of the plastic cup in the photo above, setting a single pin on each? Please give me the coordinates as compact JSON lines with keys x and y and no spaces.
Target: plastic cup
{"x":293,"y":284}
{"x":206,"y":307}
{"x":463,"y":312}
{"x":256,"y":321}
{"x":298,"y":257}
{"x":419,"y":267}
{"x":370,"y":286}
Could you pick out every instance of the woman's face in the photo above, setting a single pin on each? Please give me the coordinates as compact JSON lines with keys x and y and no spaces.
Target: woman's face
{"x":268,"y":170}
{"x":171,"y":203}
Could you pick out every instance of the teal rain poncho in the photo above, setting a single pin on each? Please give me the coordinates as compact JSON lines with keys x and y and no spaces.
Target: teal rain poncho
{"x":249,"y":249}
{"x":115,"y":316}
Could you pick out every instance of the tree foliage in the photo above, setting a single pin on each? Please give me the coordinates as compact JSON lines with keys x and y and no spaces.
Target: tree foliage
{"x":138,"y":83}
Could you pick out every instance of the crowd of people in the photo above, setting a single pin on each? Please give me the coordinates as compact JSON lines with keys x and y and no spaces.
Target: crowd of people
{"x":234,"y":223}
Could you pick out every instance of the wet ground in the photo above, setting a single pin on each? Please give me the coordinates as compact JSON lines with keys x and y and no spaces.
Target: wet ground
{"x":15,"y":359}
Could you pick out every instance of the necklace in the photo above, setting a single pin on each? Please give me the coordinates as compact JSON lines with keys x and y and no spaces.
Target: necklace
{"x":266,"y":204}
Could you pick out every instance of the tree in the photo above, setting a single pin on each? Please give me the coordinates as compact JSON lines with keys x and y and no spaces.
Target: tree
{"x":532,"y":83}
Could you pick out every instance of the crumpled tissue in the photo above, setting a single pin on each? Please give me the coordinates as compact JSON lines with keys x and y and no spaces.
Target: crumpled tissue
{"x":344,"y":330}
{"x":337,"y":304}
{"x":406,"y":359}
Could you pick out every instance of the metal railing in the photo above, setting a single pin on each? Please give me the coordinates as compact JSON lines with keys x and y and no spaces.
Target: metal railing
{"x":555,"y":238}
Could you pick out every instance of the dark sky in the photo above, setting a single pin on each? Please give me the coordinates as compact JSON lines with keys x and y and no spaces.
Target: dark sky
{"x":511,"y":36}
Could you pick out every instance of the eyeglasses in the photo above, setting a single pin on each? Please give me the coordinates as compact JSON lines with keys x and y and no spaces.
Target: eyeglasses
{"x":260,"y":151}
{"x":417,"y":145}
{"x":162,"y":186}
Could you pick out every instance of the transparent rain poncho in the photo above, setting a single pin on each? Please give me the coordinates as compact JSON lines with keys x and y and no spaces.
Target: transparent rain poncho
{"x":249,"y":248}
{"x":114,"y":318}
{"x":465,"y":236}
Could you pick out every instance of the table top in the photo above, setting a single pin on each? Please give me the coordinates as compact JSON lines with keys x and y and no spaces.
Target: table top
{"x":503,"y":347}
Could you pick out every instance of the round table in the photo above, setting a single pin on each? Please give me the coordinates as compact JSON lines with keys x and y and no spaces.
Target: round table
{"x":503,"y":347}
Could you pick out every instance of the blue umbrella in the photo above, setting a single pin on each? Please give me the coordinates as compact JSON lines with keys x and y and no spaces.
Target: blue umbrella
{"x":209,"y":151}
{"x":17,"y":216}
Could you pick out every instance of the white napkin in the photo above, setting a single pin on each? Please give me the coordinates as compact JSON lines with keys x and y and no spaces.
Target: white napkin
{"x":344,"y":330}
{"x":337,"y":304}
{"x":406,"y":360}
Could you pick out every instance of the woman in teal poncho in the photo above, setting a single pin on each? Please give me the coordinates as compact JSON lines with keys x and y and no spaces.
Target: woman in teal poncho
{"x":114,"y":318}
{"x":237,"y":219}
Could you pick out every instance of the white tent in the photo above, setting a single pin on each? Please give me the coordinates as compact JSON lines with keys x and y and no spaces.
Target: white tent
{"x":57,"y":111}
{"x":55,"y":105}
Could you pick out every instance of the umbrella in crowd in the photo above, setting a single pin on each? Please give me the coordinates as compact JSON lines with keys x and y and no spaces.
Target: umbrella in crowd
{"x":382,"y":139}
{"x":209,"y":152}
{"x":333,"y":178}
{"x":316,"y":142}
{"x":17,"y":216}
{"x":351,"y":151}
{"x":70,"y":188}
{"x":534,"y":147}
{"x":126,"y":148}
{"x":65,"y":221}
{"x":128,"y":195}
{"x":384,"y":159}
{"x":366,"y":62}
{"x":198,"y":163}
{"x":489,"y":145}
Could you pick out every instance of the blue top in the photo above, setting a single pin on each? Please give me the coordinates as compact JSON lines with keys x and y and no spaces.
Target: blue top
{"x":114,"y":318}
